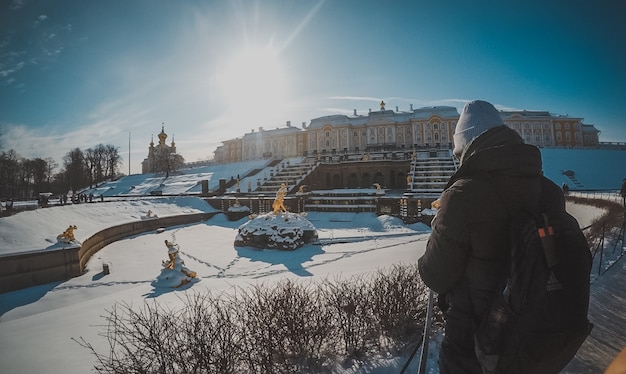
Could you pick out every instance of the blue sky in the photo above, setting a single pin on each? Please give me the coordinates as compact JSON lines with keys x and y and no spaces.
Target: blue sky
{"x":78,"y":73}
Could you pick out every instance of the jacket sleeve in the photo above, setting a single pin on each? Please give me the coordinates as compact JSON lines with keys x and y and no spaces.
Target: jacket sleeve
{"x":448,"y":248}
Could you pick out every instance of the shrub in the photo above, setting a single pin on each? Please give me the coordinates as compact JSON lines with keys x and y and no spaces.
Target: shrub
{"x":285,"y":327}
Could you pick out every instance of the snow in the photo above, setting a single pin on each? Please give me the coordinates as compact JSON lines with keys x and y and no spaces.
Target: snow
{"x":594,"y":169}
{"x":43,"y":319}
{"x":38,"y":229}
{"x":286,"y":230}
{"x":38,"y":323}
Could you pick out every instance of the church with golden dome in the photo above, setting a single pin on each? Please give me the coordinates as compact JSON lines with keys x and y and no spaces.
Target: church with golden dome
{"x":156,"y":152}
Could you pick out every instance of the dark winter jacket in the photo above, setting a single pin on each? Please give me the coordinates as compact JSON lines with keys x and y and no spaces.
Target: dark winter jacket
{"x":466,"y":256}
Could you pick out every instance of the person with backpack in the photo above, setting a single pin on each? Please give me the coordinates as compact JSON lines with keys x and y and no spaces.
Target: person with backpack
{"x":468,"y":255}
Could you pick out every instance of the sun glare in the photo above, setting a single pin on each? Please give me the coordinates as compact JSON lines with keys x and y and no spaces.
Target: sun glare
{"x":253,"y":80}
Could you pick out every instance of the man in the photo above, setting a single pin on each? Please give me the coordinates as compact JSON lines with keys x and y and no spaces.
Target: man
{"x":466,"y":257}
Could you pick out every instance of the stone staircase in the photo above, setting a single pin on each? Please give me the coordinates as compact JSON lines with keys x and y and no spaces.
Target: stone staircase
{"x":342,"y":200}
{"x":571,"y":175}
{"x":430,"y":172}
{"x":288,"y":173}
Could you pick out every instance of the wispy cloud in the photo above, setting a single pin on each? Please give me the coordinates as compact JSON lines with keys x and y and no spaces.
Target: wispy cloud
{"x":12,"y":70}
{"x":42,"y":18}
{"x":17,"y":4}
{"x":355,"y":98}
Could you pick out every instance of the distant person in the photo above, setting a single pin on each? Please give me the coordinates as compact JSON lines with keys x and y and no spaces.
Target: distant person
{"x":466,"y":257}
{"x":622,"y":192}
{"x":565,"y":189}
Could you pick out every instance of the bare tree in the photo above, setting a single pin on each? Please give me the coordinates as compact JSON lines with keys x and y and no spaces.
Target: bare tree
{"x":75,"y":171}
{"x":90,"y":164}
{"x":112,"y":161}
{"x":51,"y":165}
{"x":9,"y":168}
{"x":168,"y":162}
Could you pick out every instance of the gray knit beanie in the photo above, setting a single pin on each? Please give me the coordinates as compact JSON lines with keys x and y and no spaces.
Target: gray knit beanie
{"x":477,"y":117}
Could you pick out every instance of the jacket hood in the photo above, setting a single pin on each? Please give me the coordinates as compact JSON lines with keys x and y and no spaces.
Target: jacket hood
{"x":499,"y":150}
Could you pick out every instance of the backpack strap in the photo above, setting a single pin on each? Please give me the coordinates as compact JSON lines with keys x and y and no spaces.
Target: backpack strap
{"x":544,"y":228}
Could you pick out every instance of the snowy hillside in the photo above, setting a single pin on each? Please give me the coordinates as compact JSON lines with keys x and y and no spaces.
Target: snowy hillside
{"x":588,"y":169}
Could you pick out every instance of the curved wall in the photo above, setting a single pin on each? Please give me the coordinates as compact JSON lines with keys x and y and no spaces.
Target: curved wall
{"x":33,"y":268}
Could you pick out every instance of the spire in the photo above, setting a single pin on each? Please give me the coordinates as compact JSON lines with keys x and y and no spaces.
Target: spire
{"x":162,"y":135}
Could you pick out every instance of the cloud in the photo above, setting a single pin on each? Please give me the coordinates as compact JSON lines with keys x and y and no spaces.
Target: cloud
{"x":17,"y":4}
{"x":355,"y":98}
{"x":17,"y":67}
{"x":40,"y":19}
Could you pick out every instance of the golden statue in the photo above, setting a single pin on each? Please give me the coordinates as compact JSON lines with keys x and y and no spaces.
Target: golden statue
{"x":68,"y":234}
{"x":172,"y":250}
{"x":382,"y":105}
{"x":377,"y":187}
{"x":279,"y":204}
{"x":172,"y":253}
{"x":301,"y":189}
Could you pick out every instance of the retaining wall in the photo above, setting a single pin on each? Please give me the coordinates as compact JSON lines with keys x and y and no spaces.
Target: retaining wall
{"x":22,"y":270}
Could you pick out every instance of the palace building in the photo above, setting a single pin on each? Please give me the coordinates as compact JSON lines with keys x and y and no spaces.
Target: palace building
{"x":395,"y":130}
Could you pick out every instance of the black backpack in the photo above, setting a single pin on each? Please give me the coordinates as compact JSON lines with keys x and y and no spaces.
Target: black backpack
{"x":538,"y":320}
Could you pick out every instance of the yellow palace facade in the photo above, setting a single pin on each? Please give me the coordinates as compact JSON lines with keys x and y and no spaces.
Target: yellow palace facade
{"x":389,"y":130}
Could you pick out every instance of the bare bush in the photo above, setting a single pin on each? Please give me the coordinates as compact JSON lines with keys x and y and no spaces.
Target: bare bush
{"x":286,"y":327}
{"x":351,"y":302}
{"x":400,"y":304}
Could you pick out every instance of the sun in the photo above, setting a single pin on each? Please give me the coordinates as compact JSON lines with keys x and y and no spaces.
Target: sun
{"x":253,"y":80}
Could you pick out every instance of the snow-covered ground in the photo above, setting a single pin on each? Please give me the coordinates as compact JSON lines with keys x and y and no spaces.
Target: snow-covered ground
{"x":43,"y":319}
{"x":38,"y":323}
{"x":38,"y":229}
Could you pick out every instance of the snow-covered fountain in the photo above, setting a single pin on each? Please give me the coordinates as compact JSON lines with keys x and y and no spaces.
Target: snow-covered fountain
{"x":174,"y":273}
{"x":278,"y":229}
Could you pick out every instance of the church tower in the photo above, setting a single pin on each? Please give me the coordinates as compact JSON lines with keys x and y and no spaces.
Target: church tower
{"x":149,"y":164}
